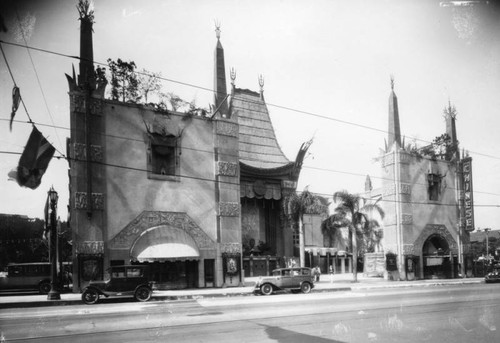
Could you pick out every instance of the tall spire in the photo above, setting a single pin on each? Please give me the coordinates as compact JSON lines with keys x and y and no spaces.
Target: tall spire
{"x":86,"y":45}
{"x":450,"y":115}
{"x":220,"y":89}
{"x":394,"y":128}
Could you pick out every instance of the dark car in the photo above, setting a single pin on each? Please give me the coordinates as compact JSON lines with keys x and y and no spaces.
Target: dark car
{"x":124,"y":280}
{"x":494,"y":276}
{"x":286,"y":279}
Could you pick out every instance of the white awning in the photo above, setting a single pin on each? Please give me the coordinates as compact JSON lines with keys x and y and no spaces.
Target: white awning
{"x":164,"y":243}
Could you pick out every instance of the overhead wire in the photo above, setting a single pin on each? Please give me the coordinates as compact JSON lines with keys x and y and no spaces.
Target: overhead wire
{"x":37,"y":77}
{"x":198,"y":87}
{"x":245,"y":99}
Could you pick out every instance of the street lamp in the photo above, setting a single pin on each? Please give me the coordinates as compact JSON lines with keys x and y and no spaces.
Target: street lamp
{"x":54,"y":292}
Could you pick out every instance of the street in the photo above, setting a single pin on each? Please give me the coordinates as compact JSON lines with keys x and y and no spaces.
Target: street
{"x":462,"y":313}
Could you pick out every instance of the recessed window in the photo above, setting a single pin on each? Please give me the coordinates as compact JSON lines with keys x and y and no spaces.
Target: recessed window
{"x":434,"y":186}
{"x":163,"y":157}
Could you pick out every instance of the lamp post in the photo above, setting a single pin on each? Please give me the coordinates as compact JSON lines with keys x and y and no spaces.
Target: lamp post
{"x":54,"y":292}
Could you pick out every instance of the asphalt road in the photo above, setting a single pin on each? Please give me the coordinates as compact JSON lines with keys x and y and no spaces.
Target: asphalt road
{"x":464,"y":313}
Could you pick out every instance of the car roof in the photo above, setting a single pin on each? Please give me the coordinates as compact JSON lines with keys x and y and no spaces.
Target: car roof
{"x":292,"y":268}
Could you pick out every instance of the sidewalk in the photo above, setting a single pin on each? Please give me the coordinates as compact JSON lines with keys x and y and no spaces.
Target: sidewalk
{"x":340,"y":282}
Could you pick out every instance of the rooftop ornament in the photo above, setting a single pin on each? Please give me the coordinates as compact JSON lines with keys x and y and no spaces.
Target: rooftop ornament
{"x":86,"y":10}
{"x":217,"y":29}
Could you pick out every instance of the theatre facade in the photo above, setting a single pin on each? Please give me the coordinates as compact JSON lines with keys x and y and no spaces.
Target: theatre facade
{"x":180,"y":192}
{"x":427,"y":198}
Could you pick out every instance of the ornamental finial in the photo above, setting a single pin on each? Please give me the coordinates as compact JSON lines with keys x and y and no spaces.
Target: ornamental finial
{"x":261,"y":83}
{"x":233,"y":76}
{"x":392,"y":82}
{"x":217,"y":29}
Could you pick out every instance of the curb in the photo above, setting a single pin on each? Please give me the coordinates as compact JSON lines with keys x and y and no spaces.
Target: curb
{"x":160,"y":297}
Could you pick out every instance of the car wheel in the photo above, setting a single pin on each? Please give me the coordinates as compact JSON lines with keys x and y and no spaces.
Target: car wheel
{"x":266,"y":289}
{"x":143,"y":293}
{"x":44,"y":288}
{"x":305,"y":287}
{"x":90,"y":296}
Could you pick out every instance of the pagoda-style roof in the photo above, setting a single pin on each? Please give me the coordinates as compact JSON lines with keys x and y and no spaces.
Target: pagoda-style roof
{"x":258,"y":148}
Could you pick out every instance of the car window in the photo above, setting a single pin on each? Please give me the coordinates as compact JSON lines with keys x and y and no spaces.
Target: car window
{"x":276,"y":272}
{"x":306,"y":272}
{"x":286,"y":272}
{"x":118,"y":273}
{"x":135,"y":272}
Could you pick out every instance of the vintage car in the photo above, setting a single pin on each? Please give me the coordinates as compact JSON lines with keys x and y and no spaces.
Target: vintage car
{"x":130,"y":280}
{"x":286,"y":279}
{"x":493,"y":276}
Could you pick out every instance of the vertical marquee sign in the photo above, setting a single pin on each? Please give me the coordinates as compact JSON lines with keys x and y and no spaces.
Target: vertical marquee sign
{"x":468,"y":193}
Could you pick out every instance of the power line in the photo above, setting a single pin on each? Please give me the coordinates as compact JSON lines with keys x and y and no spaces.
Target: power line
{"x":36,"y":74}
{"x":211,"y":152}
{"x":245,"y":99}
{"x":235,"y":183}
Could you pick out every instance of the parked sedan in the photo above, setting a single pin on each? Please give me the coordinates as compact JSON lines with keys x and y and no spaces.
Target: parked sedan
{"x":124,"y":280}
{"x":286,"y":279}
{"x":494,"y":276}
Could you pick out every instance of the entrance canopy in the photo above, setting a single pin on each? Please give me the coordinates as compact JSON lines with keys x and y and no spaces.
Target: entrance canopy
{"x":164,"y":243}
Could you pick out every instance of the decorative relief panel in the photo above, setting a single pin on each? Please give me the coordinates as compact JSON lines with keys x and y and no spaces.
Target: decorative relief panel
{"x":406,"y":219}
{"x":230,"y":248}
{"x":80,"y":152}
{"x":90,"y":247}
{"x":287,"y":184}
{"x":227,"y":168}
{"x":95,"y":105}
{"x":227,"y":129}
{"x":229,"y":209}
{"x":405,"y":188}
{"x":81,"y":201}
{"x":404,"y":157}
{"x":149,"y":219}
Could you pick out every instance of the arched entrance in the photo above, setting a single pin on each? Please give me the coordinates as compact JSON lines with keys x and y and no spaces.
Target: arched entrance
{"x":438,"y":260}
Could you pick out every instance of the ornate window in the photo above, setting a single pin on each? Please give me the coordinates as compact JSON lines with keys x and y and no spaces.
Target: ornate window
{"x":163,"y":159}
{"x":434,"y":186}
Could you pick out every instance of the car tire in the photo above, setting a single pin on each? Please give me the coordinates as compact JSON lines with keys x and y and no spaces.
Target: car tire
{"x":266,"y":289}
{"x":44,"y":287}
{"x":305,"y":287}
{"x":90,"y":296}
{"x":143,"y":293}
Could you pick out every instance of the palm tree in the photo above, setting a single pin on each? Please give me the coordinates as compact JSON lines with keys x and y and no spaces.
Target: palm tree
{"x":295,"y":206}
{"x":354,"y":213}
{"x":331,"y":228}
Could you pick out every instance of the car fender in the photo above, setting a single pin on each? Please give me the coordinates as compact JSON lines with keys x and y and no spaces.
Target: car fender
{"x":98,"y":290}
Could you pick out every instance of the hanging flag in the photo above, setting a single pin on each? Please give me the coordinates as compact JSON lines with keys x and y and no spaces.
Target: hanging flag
{"x":34,"y":161}
{"x":16,"y":98}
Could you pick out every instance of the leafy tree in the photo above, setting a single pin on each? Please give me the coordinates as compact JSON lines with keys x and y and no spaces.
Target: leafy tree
{"x":149,"y":83}
{"x":124,"y":82}
{"x":171,"y":99}
{"x":354,"y":213}
{"x":295,"y":207}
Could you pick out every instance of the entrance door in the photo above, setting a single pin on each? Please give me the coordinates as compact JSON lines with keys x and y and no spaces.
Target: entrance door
{"x":174,"y":274}
{"x":437,"y":259}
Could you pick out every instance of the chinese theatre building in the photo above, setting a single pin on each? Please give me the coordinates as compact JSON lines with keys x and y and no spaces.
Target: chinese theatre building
{"x":184,"y":193}
{"x":427,"y":198}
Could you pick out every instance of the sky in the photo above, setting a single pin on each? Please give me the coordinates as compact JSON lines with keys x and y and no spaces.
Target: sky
{"x":326,"y":68}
